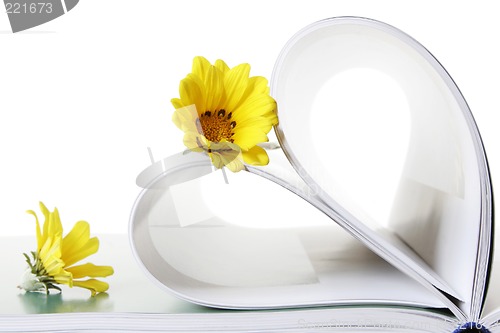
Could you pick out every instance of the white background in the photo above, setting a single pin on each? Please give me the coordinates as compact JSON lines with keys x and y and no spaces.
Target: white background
{"x":83,"y":96}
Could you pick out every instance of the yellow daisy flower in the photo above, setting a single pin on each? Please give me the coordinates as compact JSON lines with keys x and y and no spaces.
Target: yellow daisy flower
{"x":225,"y":113}
{"x":52,"y":263}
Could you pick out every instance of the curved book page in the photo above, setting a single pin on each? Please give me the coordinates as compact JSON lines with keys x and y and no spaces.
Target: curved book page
{"x":370,"y":119}
{"x":233,"y":245}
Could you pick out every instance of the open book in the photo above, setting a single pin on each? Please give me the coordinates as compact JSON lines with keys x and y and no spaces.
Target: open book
{"x":376,"y":208}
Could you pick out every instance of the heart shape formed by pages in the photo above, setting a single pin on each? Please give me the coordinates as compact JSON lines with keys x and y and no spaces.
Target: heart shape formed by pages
{"x":382,"y":142}
{"x":443,"y":188}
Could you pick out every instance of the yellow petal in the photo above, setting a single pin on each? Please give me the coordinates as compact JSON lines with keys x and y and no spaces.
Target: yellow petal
{"x":55,"y":226}
{"x":39,"y":238}
{"x":90,"y":270}
{"x":263,"y":123}
{"x":64,"y":278}
{"x":46,"y":215}
{"x":51,"y":225}
{"x":44,"y":209}
{"x":79,"y":234}
{"x":256,"y":105}
{"x":214,"y":86}
{"x":50,"y":256}
{"x":256,"y":156}
{"x":51,"y":247}
{"x":75,"y":254}
{"x":200,"y":67}
{"x":177,"y":103}
{"x":53,"y":266}
{"x":235,"y":83}
{"x":95,"y":286}
{"x":76,"y":239}
{"x":256,"y":85}
{"x":192,"y":90}
{"x":221,"y":65}
{"x":248,"y":137}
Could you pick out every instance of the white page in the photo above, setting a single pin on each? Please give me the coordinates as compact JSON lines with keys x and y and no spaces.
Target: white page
{"x":187,"y":193}
{"x":442,"y":133}
{"x":322,"y":263}
{"x":438,"y":204}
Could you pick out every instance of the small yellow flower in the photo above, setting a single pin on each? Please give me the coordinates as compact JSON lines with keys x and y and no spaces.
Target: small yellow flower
{"x":225,"y":113}
{"x":52,"y":262}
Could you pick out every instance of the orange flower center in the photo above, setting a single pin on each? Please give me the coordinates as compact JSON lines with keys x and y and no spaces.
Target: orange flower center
{"x":216,"y":126}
